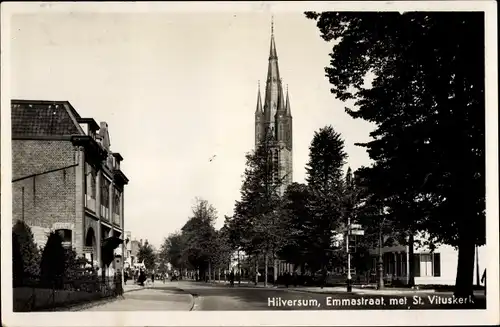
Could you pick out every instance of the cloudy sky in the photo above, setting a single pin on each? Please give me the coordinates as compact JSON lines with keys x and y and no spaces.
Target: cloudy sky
{"x":177,"y":89}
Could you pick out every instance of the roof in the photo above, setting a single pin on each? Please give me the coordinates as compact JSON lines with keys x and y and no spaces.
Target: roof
{"x":44,"y":118}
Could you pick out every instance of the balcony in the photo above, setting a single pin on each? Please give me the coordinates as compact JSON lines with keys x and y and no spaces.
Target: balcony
{"x":116,"y":219}
{"x":104,"y":212}
{"x":90,"y":203}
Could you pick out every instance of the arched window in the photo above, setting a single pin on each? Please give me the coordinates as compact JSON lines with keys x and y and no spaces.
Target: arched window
{"x":66,"y":236}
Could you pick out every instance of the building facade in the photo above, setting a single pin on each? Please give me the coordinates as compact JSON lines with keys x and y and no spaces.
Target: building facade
{"x":436,"y":267}
{"x":273,"y":120}
{"x":65,"y":177}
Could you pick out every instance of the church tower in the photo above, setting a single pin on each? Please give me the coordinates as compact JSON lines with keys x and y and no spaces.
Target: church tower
{"x":273,"y":120}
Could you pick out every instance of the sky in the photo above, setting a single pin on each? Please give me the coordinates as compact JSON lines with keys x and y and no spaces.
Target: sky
{"x":175,"y":90}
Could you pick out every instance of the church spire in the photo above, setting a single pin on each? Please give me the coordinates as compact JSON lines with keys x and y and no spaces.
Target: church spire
{"x":287,"y":107}
{"x":272,"y":51}
{"x":258,"y":110}
{"x":273,"y":99}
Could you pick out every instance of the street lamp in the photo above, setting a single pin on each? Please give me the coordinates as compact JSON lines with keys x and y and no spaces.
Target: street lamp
{"x":380,"y":281}
{"x":349,"y":281}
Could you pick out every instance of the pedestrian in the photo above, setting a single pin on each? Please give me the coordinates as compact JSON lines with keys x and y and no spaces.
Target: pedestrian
{"x":294,"y":278}
{"x":125,"y":277}
{"x":153,"y":277}
{"x":483,"y":280}
{"x":286,"y":278}
{"x":231,"y":278}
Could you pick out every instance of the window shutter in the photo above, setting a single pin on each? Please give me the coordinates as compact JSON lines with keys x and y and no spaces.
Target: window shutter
{"x":416,"y":265}
{"x":436,"y":264}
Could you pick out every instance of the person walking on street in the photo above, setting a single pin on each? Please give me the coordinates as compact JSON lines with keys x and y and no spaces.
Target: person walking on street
{"x":231,"y":278}
{"x":153,"y":277}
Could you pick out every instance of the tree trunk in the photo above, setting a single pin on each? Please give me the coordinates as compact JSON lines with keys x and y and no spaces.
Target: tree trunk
{"x":380,"y":262}
{"x":239,"y":268}
{"x":465,"y":268}
{"x":411,"y":261}
{"x":256,"y":268}
{"x":275,"y":268}
{"x":266,"y":264}
{"x":209,"y":271}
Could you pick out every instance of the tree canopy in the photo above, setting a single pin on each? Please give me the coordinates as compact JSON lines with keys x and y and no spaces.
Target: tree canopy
{"x":426,"y":99}
{"x":147,"y":255}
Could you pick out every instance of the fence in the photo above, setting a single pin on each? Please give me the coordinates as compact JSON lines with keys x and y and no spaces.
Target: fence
{"x":34,"y":295}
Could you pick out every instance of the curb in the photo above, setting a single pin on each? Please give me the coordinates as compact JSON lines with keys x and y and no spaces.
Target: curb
{"x":193,"y":298}
{"x":91,"y":304}
{"x":361,"y":292}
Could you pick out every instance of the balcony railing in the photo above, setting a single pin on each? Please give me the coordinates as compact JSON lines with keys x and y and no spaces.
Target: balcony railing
{"x":90,"y":202}
{"x":116,"y":219}
{"x":104,"y":212}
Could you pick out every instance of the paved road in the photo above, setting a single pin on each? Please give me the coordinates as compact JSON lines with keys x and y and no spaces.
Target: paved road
{"x":223,"y":297}
{"x":199,"y":296}
{"x":161,"y":297}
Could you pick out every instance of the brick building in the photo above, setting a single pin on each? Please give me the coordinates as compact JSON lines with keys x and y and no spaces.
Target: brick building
{"x":65,"y":177}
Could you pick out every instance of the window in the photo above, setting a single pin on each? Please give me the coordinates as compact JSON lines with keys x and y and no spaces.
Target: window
{"x":427,"y":265}
{"x":90,"y":181}
{"x":105,"y":198}
{"x":436,"y":264}
{"x":116,"y":203}
{"x":65,"y":236}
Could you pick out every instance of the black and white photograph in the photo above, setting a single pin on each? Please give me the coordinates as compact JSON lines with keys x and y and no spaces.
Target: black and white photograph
{"x":249,"y":163}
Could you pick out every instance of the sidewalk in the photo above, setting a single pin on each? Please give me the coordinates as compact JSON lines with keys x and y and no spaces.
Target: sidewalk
{"x":343,"y":289}
{"x":129,"y":287}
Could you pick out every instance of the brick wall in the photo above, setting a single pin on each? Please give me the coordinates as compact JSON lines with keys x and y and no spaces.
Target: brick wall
{"x":48,"y":198}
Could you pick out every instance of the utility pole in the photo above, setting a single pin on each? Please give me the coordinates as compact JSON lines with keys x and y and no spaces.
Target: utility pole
{"x":349,"y":285}
{"x":380,"y":281}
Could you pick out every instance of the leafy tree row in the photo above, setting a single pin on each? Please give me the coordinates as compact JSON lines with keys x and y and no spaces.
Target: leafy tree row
{"x":198,"y":245}
{"x":427,"y":102}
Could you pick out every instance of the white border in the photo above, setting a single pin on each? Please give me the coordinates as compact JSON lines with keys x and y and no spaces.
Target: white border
{"x":253,"y":318}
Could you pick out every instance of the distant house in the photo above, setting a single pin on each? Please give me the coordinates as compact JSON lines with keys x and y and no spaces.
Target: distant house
{"x":438,"y":267}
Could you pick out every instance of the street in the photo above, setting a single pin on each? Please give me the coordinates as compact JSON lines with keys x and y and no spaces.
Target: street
{"x":199,"y":296}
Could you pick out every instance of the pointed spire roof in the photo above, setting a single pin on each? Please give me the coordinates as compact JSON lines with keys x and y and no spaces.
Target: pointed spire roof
{"x":259,"y":110}
{"x":288,"y":111}
{"x":272,"y":51}
{"x":273,"y":100}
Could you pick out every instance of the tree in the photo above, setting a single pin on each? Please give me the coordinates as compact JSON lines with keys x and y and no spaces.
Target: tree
{"x":147,"y":255}
{"x":223,"y":249}
{"x":26,"y":255}
{"x":256,"y":222}
{"x":200,"y":236}
{"x":427,"y":102}
{"x":174,"y":247}
{"x":53,"y":263}
{"x":296,"y":212}
{"x":324,"y":177}
{"x":17,"y":262}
